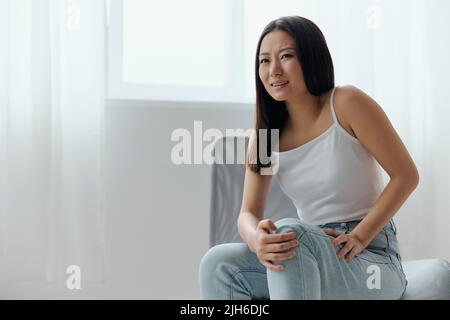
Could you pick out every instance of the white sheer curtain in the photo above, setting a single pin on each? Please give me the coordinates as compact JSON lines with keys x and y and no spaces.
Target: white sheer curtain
{"x":51,"y":121}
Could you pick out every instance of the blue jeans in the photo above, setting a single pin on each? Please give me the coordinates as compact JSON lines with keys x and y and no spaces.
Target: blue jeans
{"x":232,"y":271}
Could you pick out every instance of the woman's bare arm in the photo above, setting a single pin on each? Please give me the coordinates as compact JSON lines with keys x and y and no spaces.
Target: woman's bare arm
{"x":376,"y":133}
{"x":253,"y":202}
{"x":256,"y":187}
{"x":255,"y":231}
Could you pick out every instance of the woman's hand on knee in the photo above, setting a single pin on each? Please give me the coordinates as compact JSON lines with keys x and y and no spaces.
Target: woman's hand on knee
{"x":273,"y":247}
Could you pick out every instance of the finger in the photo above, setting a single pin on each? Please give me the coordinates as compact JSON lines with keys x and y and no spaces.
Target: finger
{"x":280,"y":256}
{"x":352,"y":254}
{"x":267,"y":225}
{"x":340,"y":239}
{"x":331,"y":232}
{"x":346,"y":249}
{"x":280,"y":237}
{"x":272,"y":266}
{"x":271,"y":225}
{"x":282,"y":246}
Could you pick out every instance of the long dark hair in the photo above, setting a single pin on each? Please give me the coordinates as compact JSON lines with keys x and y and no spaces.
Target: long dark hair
{"x":318,"y":72}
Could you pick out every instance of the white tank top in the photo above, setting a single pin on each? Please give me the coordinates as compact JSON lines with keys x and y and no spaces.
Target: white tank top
{"x":331,"y":178}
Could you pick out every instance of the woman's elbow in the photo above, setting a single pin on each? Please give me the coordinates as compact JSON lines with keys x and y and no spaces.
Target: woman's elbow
{"x":414,"y":178}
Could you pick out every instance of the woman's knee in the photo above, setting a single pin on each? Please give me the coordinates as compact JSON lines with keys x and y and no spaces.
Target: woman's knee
{"x":286,"y":225}
{"x":222,"y":254}
{"x":307,"y":234}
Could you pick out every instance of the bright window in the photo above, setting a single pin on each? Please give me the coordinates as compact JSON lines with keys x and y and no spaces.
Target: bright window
{"x":196,"y":50}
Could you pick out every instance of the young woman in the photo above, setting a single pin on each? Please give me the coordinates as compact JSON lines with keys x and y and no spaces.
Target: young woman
{"x":344,"y":245}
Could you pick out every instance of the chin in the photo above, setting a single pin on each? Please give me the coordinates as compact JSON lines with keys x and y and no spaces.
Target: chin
{"x":279,"y":98}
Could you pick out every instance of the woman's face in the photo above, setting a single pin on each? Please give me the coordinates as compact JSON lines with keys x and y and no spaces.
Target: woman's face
{"x":278,"y":63}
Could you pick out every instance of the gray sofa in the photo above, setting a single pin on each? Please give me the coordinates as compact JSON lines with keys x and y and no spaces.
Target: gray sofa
{"x":427,"y":279}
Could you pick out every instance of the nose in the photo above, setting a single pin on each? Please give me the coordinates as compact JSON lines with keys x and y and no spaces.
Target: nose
{"x":275,"y":69}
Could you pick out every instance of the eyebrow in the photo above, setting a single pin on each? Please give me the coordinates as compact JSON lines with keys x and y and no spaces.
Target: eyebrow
{"x":282,"y":49}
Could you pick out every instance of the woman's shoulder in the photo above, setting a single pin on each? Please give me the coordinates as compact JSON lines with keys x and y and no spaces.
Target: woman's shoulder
{"x":348,"y":93}
{"x":348,"y":102}
{"x":356,"y":108}
{"x":349,"y":99}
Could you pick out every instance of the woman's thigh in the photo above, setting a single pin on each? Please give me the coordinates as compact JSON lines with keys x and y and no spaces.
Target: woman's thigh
{"x":372,"y":274}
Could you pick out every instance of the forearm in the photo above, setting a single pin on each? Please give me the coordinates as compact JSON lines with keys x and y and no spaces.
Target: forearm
{"x":391,"y":199}
{"x":247,"y":224}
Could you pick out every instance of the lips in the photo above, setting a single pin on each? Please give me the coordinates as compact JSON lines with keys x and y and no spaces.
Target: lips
{"x":279,"y":83}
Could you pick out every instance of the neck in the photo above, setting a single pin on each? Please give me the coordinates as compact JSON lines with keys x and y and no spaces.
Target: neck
{"x":303,"y":111}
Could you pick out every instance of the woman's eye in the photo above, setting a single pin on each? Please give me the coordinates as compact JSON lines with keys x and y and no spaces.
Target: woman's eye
{"x":284,"y":55}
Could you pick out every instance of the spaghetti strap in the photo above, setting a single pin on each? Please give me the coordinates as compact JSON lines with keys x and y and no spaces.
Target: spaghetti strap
{"x":332,"y":106}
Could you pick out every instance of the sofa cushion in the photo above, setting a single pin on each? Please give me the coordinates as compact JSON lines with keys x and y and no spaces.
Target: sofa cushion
{"x":427,"y":279}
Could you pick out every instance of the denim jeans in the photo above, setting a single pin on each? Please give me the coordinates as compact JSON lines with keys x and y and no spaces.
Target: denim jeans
{"x":232,"y":271}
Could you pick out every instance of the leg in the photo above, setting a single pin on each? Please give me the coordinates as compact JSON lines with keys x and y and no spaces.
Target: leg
{"x":301,"y":278}
{"x":317,"y":273}
{"x":231,"y":271}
